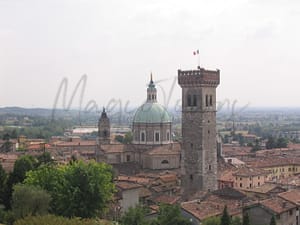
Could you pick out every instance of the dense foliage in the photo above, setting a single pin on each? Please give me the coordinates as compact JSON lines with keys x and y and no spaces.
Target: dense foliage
{"x":135,"y":216}
{"x":77,"y":189}
{"x":273,"y":221}
{"x":225,"y":219}
{"x":276,"y":143}
{"x":56,"y":220}
{"x":29,"y":201}
{"x":21,"y":166}
{"x":167,"y":215}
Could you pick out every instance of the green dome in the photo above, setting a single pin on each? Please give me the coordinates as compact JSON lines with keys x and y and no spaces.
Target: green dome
{"x":151,"y":112}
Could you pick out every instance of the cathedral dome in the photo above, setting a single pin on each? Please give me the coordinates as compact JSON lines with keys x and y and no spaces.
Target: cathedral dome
{"x":151,"y":112}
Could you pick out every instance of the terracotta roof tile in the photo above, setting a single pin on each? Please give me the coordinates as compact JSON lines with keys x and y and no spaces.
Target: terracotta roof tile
{"x":277,"y":205}
{"x":291,"y":196}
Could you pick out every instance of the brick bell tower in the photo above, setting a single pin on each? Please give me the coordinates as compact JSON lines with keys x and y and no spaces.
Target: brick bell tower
{"x":199,"y":148}
{"x":104,"y":128}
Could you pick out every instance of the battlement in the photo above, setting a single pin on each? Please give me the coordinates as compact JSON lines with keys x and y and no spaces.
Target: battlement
{"x":200,"y":77}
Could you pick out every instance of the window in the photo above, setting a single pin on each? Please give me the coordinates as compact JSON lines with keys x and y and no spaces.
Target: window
{"x":291,"y":212}
{"x":127,"y":158}
{"x":143,"y":136}
{"x":258,"y":177}
{"x":157,"y":136}
{"x":194,"y":100}
{"x":168,"y":136}
{"x":210,"y":100}
{"x":206,"y":100}
{"x":189,"y":100}
{"x":250,"y":185}
{"x":258,"y":183}
{"x":191,"y":177}
{"x":165,"y":162}
{"x":105,"y":133}
{"x":209,"y":167}
{"x":241,"y":185}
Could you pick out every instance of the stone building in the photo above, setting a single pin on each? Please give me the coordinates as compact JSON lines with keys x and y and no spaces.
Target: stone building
{"x":152,"y":146}
{"x":260,"y":213}
{"x":199,"y":148}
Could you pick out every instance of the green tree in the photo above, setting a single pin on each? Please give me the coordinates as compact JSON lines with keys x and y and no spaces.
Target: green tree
{"x":271,"y":143}
{"x":170,"y":215}
{"x":29,"y":200}
{"x":44,"y":158}
{"x":246,"y":219}
{"x":236,"y":221}
{"x":119,"y":138}
{"x":212,"y":221}
{"x":273,"y":221}
{"x":3,"y":178}
{"x":77,"y":189}
{"x":135,"y":216}
{"x":281,"y":143}
{"x":225,"y":219}
{"x":55,"y":220}
{"x":21,"y":167}
{"x":128,"y":138}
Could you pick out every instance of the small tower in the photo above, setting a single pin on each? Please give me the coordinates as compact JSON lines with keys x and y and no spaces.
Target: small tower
{"x":199,"y":148}
{"x":104,"y":129}
{"x":151,"y":91}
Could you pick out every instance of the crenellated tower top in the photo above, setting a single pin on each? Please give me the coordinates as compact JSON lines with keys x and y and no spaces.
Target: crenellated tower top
{"x":199,"y":78}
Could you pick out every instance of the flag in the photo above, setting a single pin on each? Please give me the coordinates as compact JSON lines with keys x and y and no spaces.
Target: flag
{"x":196,"y":52}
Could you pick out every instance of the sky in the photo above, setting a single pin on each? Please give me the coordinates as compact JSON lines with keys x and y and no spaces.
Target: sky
{"x":114,"y":45}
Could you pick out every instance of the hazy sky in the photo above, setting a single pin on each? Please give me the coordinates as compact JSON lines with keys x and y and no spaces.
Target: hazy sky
{"x":117,"y":43}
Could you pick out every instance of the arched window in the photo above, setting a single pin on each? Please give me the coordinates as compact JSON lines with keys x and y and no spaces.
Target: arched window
{"x":143,"y":136}
{"x":165,"y":161}
{"x":189,"y":100}
{"x":156,"y":137}
{"x":210,"y":100}
{"x":168,"y":136}
{"x":194,"y":100}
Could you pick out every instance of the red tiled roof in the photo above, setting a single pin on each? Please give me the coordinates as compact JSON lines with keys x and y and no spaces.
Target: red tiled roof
{"x":139,"y":180}
{"x":277,"y":205}
{"x":166,"y":199}
{"x":113,"y":148}
{"x":246,"y":171}
{"x":168,"y":178}
{"x":274,"y":161}
{"x":291,"y":196}
{"x":127,"y":185}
